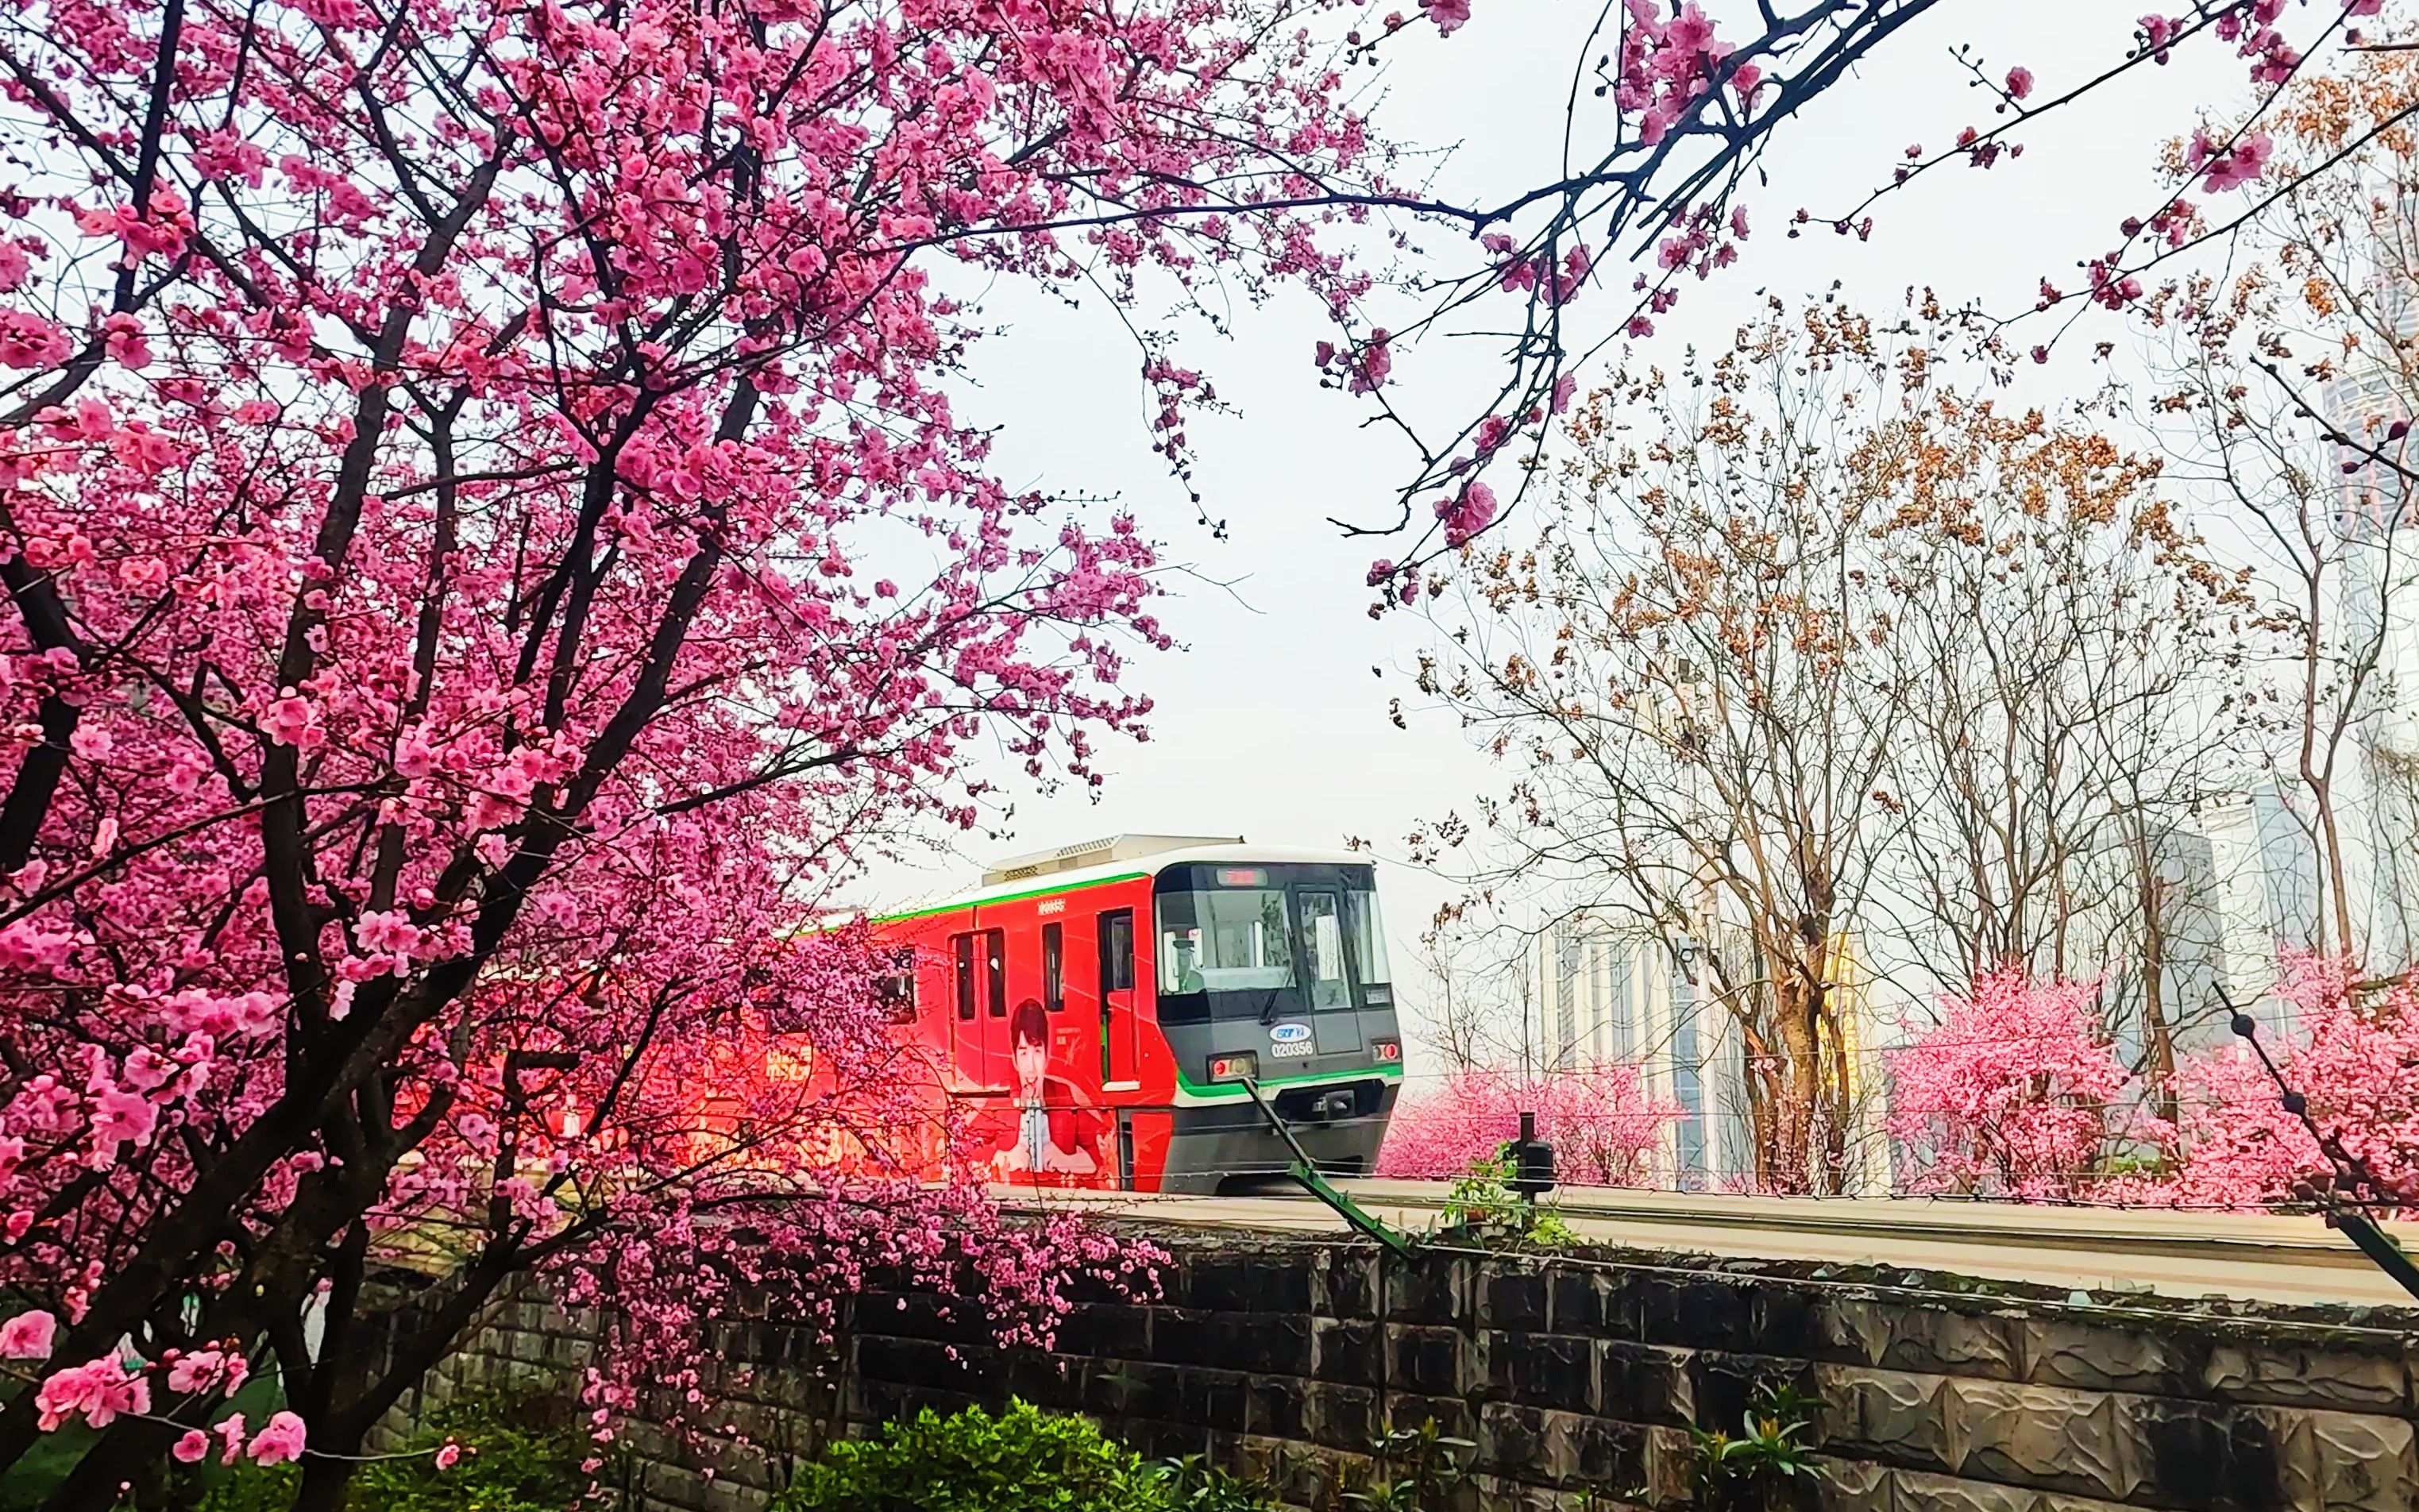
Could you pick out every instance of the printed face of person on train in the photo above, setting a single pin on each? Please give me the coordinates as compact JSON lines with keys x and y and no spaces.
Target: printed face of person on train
{"x":1029,"y":1049}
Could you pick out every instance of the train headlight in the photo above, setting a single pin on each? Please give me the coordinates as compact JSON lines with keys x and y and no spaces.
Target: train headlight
{"x":1388,"y":1052}
{"x":1241,"y":1066}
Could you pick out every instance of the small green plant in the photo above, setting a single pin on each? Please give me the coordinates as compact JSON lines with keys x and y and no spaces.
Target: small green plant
{"x":1413,"y":1469}
{"x":1547,"y":1231}
{"x":1193,"y":1484}
{"x":1483,"y":1202}
{"x":521,"y":1450}
{"x":1021,"y":1460}
{"x":1770,"y":1451}
{"x":1483,"y":1198}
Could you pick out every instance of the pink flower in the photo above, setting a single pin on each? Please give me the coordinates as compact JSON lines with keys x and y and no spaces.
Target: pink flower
{"x":119,"y":1116}
{"x":2020,"y":82}
{"x":98,"y":1391}
{"x":279,"y":1441}
{"x":191,"y":1448}
{"x":1466,"y":516}
{"x":448,"y":1454}
{"x":1447,"y":14}
{"x":123,"y":341}
{"x":28,"y":1336}
{"x":203,"y":1370}
{"x":292,"y":722}
{"x":2238,"y":166}
{"x":230,"y":1432}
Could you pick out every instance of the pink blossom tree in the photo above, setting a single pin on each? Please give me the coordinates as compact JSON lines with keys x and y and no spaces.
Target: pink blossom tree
{"x":2349,"y":1060}
{"x":2015,"y":1093}
{"x":1604,"y":1123}
{"x":493,"y":542}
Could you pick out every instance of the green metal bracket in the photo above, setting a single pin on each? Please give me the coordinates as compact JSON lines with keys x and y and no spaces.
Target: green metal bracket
{"x":1305,"y":1171}
{"x":2383,"y":1251}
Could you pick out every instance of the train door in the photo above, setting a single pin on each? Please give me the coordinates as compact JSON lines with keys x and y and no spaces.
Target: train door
{"x":1114,"y":932}
{"x":1327,"y":976}
{"x":979,"y":1007}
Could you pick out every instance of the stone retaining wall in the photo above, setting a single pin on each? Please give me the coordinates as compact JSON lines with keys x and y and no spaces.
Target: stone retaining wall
{"x":1578,"y":1381}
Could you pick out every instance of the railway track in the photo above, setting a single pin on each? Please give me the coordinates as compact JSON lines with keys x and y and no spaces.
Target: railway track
{"x":2293,"y":1261}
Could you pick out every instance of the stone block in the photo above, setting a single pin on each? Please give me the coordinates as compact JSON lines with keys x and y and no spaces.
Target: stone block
{"x":1425,"y":1360}
{"x":1433,"y":1289}
{"x":1051,"y":1380}
{"x":1851,"y":1330}
{"x":1107,"y":1330}
{"x":2362,"y":1463}
{"x":1512,"y":1300}
{"x":2298,"y":1375}
{"x":1184,"y":1335}
{"x":1955,"y":1344}
{"x":1574,"y":1300}
{"x":1347,"y":1350}
{"x":1278,"y":1282}
{"x":1720,"y":1386}
{"x":2059,"y":1352}
{"x":1218,"y":1399}
{"x":1787,"y":1320}
{"x":1511,"y":1440}
{"x":1156,"y":1438}
{"x":2207,"y":1455}
{"x":1273,"y":1407}
{"x":1671,"y":1469}
{"x":1698,"y":1315}
{"x":1340,"y":1417}
{"x":1455,"y":1417}
{"x":919,"y":1315}
{"x":1645,"y":1383}
{"x":1918,"y":1491}
{"x":2049,"y":1437}
{"x":1275,"y":1344}
{"x":1851,"y":1484}
{"x":1343,"y":1283}
{"x":1133,"y":1388}
{"x":1904,"y":1418}
{"x":1554,"y":1370}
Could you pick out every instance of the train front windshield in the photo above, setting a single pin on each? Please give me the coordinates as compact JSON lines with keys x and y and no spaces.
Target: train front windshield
{"x":1258,"y":942}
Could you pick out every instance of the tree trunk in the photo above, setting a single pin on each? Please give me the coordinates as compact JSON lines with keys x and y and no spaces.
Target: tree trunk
{"x":325,"y":1479}
{"x":2158,"y":1039}
{"x":125,"y":1467}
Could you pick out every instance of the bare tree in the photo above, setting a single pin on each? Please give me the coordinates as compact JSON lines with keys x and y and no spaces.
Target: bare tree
{"x":2071,"y":641}
{"x":1689,"y":678}
{"x":2286,"y":397}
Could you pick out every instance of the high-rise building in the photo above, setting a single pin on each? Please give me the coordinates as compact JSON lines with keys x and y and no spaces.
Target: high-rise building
{"x":2377,"y":530}
{"x":2264,"y":867}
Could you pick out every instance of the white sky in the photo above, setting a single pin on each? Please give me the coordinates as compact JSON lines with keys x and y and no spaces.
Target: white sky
{"x":1270,"y":723}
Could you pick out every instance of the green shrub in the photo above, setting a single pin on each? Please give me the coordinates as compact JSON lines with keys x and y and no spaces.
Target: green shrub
{"x":521,"y":1452}
{"x":1020,"y":1460}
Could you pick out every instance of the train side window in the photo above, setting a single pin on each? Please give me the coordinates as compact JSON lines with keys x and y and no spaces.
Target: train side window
{"x":964,"y":945}
{"x":897,"y":988}
{"x":1054,"y":966}
{"x":1116,"y":951}
{"x":995,"y":955}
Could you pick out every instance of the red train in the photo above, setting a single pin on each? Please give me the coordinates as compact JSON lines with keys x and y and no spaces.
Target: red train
{"x":1105,"y":1003}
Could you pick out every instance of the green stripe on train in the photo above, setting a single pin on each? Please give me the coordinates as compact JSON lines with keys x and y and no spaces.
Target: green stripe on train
{"x":1010,"y":898}
{"x":1229,"y":1089}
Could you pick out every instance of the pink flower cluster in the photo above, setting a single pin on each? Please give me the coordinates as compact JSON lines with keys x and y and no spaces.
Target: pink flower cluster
{"x":1669,"y":62}
{"x":2018,"y":1093}
{"x":1606,"y":1127}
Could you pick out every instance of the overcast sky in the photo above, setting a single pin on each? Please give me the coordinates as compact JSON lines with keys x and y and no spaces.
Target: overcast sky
{"x":1270,"y":721}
